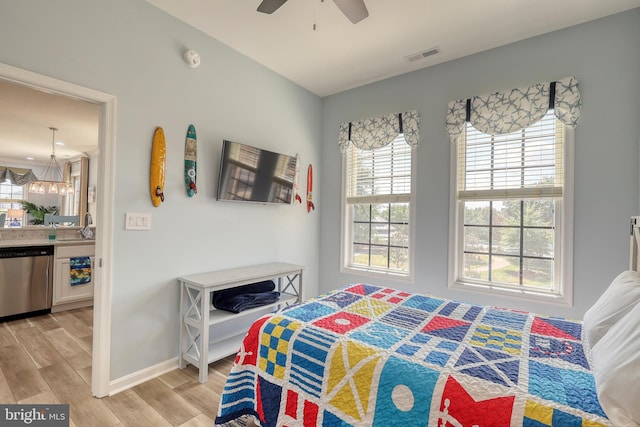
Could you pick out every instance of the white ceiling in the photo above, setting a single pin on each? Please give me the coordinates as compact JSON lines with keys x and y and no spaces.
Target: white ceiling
{"x":340,"y":55}
{"x":26,"y":114}
{"x":336,"y":56}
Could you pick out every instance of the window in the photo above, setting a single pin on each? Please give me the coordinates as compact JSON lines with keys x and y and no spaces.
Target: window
{"x":513,"y":210}
{"x":11,"y":196}
{"x":377,"y":208}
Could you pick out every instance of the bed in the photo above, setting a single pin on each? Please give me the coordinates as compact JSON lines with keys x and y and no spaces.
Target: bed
{"x":366,"y":355}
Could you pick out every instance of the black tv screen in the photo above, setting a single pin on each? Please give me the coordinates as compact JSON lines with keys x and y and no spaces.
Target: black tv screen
{"x":255,"y":175}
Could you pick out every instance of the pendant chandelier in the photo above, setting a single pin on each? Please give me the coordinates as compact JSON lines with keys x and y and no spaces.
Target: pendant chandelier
{"x":51,"y":181}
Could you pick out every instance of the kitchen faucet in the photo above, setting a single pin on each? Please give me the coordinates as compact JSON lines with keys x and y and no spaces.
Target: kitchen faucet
{"x":85,"y":232}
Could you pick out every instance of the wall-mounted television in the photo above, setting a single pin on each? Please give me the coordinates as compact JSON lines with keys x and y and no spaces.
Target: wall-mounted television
{"x":252,"y":174}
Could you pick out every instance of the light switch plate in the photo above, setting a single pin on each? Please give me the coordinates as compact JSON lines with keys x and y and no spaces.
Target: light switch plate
{"x":137,"y":221}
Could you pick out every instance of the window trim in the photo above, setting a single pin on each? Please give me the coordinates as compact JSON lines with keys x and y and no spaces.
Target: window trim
{"x":565,"y":268}
{"x":346,"y":229}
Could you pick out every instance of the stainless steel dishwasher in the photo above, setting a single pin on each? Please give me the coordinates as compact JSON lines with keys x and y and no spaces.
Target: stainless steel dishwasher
{"x":26,"y":279}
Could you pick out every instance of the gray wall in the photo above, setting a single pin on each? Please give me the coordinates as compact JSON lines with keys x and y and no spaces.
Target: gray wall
{"x":132,"y":50}
{"x":604,"y":55}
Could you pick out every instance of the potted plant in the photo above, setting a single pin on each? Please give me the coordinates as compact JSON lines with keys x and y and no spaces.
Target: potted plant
{"x":38,"y":212}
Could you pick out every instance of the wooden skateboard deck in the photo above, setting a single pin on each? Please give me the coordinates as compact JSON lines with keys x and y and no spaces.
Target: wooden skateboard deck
{"x":190,"y":160}
{"x":156,"y":171}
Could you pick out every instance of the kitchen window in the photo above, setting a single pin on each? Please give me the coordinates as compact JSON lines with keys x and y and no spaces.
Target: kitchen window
{"x":11,"y":197}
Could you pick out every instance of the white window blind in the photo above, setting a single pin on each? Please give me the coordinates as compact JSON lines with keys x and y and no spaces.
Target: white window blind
{"x":379,"y":176}
{"x":522,"y":164}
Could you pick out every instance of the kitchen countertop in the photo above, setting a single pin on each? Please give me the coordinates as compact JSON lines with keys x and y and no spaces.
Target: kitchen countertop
{"x":45,"y":242}
{"x":39,"y":236}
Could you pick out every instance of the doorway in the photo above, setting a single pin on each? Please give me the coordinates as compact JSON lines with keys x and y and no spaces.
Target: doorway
{"x":104,"y":214}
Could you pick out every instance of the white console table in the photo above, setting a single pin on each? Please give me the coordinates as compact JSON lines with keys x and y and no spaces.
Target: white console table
{"x":208,"y":334}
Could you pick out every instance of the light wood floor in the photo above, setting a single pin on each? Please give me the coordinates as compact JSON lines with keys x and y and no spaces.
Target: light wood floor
{"x":47,"y":359}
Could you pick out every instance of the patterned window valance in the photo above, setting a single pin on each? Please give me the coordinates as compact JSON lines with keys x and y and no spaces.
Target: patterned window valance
{"x":515,"y":109}
{"x":376,"y":132}
{"x":17,"y":176}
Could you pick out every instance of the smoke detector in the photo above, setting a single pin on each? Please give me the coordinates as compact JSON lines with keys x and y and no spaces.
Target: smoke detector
{"x":192,"y":58}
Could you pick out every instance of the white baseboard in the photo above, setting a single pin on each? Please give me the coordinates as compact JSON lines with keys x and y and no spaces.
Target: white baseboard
{"x":146,"y":374}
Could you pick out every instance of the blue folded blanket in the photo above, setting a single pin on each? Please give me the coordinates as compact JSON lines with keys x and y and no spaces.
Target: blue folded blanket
{"x":245,"y":297}
{"x":246,"y":301}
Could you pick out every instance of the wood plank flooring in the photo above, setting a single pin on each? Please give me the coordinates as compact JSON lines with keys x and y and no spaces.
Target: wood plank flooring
{"x":47,"y":359}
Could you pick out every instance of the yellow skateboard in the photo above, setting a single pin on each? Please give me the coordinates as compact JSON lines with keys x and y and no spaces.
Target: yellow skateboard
{"x":156,"y":172}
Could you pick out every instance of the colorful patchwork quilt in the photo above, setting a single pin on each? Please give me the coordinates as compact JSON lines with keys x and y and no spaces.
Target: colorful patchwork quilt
{"x":366,"y":355}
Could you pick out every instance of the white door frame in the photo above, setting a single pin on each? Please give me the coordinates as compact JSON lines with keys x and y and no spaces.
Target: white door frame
{"x":104,"y":212}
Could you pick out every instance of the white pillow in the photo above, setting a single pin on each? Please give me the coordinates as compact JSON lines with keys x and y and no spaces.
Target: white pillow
{"x":620,"y":297}
{"x":616,"y":367}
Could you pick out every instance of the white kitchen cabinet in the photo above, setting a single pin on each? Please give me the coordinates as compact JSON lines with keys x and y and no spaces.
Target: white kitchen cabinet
{"x":65,"y":296}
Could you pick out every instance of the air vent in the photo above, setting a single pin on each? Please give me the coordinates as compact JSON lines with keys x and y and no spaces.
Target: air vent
{"x":421,"y":55}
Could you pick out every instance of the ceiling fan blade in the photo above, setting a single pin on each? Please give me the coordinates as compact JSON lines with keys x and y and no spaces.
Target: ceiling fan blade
{"x":270,"y":6}
{"x":355,"y":10}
